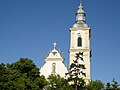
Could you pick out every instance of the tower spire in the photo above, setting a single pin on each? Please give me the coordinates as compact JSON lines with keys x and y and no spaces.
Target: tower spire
{"x":80,"y":17}
{"x":80,"y":2}
{"x":80,"y":13}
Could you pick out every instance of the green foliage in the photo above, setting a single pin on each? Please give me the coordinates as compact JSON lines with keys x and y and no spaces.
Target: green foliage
{"x":95,"y":85}
{"x":108,"y":86}
{"x":75,"y":72}
{"x":55,"y":82}
{"x":22,"y":74}
{"x":112,"y":86}
{"x":25,"y":66}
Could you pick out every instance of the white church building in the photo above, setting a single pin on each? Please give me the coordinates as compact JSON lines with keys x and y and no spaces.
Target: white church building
{"x":54,"y":64}
{"x":79,"y":42}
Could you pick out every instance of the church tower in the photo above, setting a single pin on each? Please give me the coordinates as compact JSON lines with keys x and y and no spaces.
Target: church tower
{"x":80,"y":40}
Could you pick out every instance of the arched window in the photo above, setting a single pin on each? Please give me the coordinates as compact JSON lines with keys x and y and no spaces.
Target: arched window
{"x":53,"y":68}
{"x":79,"y":41}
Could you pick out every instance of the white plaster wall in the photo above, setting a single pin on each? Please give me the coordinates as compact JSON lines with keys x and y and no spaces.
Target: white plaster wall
{"x":84,"y":33}
{"x":46,"y":70}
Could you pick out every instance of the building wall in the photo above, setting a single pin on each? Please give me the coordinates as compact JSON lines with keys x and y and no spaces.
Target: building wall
{"x":85,"y":48}
{"x":46,"y":70}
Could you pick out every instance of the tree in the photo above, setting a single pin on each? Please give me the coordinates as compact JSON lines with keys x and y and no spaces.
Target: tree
{"x":25,"y":66}
{"x":52,"y":82}
{"x":3,"y":73}
{"x":113,"y":86}
{"x":22,"y":74}
{"x":95,"y":85}
{"x":108,"y":86}
{"x":76,"y":74}
{"x":55,"y":82}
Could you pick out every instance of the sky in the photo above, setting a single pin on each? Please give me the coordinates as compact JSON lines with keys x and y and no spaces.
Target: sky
{"x":28,"y":29}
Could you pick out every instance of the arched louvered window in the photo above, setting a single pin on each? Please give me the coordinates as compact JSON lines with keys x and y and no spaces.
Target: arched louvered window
{"x":79,"y":41}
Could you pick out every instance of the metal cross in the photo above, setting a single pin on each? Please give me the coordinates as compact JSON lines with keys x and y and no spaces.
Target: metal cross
{"x":80,"y":2}
{"x":54,"y":44}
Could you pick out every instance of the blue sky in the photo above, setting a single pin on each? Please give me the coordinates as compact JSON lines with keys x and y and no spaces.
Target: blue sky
{"x":28,"y":28}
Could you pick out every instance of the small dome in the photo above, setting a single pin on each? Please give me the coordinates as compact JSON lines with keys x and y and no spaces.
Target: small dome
{"x":80,"y":10}
{"x":80,"y":24}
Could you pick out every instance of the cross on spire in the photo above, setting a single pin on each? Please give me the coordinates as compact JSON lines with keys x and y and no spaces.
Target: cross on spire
{"x":80,"y":2}
{"x":54,"y":45}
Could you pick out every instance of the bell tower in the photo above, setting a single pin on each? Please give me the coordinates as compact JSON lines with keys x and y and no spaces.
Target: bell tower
{"x":80,"y":40}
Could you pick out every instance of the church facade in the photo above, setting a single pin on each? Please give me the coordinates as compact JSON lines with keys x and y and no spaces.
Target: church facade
{"x":54,"y":63}
{"x":79,"y":42}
